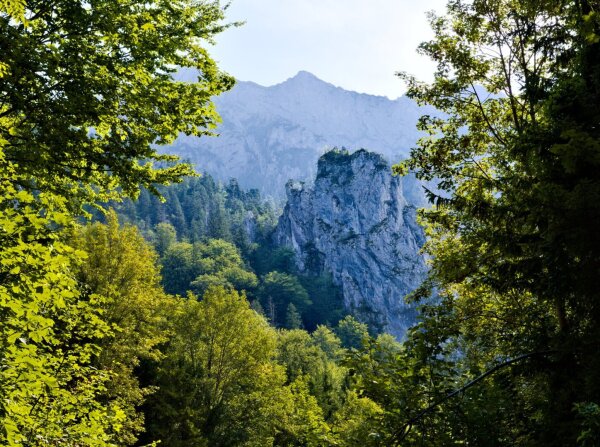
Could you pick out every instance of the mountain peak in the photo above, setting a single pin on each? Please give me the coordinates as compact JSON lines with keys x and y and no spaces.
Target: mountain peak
{"x":304,"y":76}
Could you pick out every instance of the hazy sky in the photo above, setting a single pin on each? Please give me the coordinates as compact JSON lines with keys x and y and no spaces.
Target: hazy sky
{"x":354,"y":44}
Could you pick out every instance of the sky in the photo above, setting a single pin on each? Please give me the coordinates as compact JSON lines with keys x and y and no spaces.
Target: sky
{"x":354,"y":44}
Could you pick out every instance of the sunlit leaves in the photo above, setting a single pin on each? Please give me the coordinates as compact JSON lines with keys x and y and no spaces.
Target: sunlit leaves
{"x":91,"y":88}
{"x":49,"y":331}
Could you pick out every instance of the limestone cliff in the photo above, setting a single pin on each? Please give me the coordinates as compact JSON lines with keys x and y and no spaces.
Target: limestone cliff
{"x":356,"y":223}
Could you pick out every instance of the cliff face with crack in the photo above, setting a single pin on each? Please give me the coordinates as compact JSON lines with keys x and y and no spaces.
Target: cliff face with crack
{"x":356,"y":223}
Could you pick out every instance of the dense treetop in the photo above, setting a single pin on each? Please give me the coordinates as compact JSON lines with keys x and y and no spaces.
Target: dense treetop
{"x":87,"y":90}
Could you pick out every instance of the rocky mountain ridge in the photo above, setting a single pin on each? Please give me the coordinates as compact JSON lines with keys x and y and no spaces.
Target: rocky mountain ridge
{"x":271,"y":134}
{"x":356,"y":223}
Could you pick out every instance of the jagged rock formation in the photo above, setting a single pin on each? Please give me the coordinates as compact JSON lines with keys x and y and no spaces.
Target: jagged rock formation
{"x":356,"y":223}
{"x":272,"y":134}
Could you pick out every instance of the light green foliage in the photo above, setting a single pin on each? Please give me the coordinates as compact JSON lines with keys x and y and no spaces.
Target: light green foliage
{"x":304,"y":358}
{"x":218,"y":384}
{"x":14,"y":9}
{"x":398,"y":385}
{"x":50,"y":332}
{"x":88,"y":90}
{"x":352,"y":333}
{"x":356,"y":424}
{"x":122,"y":267}
{"x":304,"y":424}
{"x":328,"y":342}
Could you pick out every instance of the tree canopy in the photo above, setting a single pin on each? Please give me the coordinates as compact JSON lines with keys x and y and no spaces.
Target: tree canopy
{"x":513,"y":154}
{"x":87,"y":90}
{"x":87,"y":93}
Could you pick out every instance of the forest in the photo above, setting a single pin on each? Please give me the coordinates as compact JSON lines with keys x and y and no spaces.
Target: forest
{"x":135,"y":310}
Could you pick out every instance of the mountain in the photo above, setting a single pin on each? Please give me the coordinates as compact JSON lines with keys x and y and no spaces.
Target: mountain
{"x":356,"y":223}
{"x":272,"y":134}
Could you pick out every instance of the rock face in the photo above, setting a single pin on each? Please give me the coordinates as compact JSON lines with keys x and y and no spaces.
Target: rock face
{"x":272,"y":134}
{"x":356,"y":223}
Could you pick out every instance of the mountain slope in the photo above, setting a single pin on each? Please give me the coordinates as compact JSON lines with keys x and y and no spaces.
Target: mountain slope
{"x":272,"y":134}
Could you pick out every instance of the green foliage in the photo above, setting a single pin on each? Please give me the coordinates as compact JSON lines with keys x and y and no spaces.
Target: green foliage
{"x":122,"y":267}
{"x":356,"y":424}
{"x":512,"y":234}
{"x":327,"y":301}
{"x":179,"y":268}
{"x":328,"y":342}
{"x":50,"y":332}
{"x":87,"y":95}
{"x":590,"y":414}
{"x":278,"y":290}
{"x":293,"y":320}
{"x":305,"y":425}
{"x":352,"y":333}
{"x":304,"y":359}
{"x":193,"y":209}
{"x":220,"y":263}
{"x":85,"y":108}
{"x":200,"y":208}
{"x":218,"y":384}
{"x":199,"y":265}
{"x":164,"y":236}
{"x":267,"y":259}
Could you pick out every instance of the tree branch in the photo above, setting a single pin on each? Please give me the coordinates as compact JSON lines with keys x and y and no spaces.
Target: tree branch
{"x":405,"y":430}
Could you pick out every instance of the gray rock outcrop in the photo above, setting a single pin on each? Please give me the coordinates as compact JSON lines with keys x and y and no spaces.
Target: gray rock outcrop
{"x":356,"y":223}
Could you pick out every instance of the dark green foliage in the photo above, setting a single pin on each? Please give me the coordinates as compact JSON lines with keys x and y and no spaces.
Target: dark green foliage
{"x":267,"y":258}
{"x":201,"y":208}
{"x":293,"y":320}
{"x":327,"y":301}
{"x":277,"y":291}
{"x":513,"y":234}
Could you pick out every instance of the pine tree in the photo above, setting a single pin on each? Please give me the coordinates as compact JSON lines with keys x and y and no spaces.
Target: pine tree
{"x":293,"y":320}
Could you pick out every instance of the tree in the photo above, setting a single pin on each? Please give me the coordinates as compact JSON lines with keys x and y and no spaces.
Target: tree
{"x":219,"y":263}
{"x":276,"y":291}
{"x":512,"y":234}
{"x":178,"y":268}
{"x":164,"y":237}
{"x":293,"y":320}
{"x":86,"y":94}
{"x":352,"y":333}
{"x":87,"y":91}
{"x":327,"y":299}
{"x":356,"y":424}
{"x":121,"y":266}
{"x":218,"y":384}
{"x":50,"y":331}
{"x":305,"y":360}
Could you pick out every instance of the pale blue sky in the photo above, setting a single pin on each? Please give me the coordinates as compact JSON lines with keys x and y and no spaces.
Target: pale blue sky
{"x":354,"y":44}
